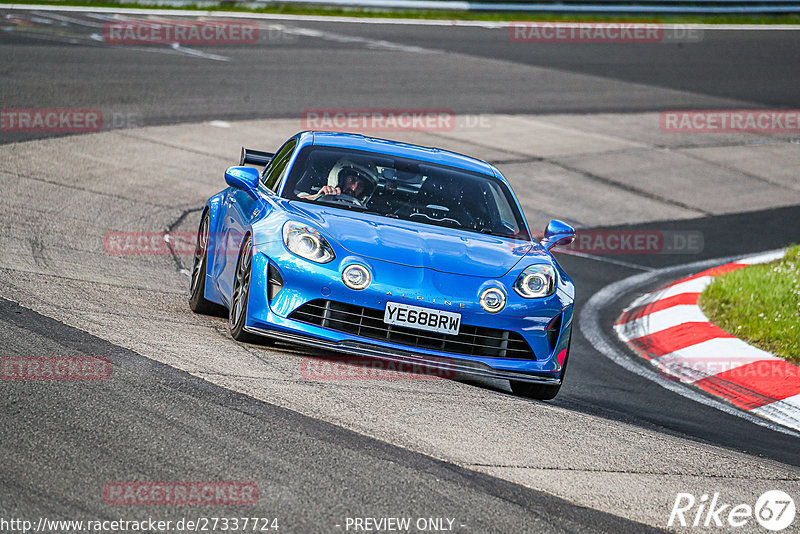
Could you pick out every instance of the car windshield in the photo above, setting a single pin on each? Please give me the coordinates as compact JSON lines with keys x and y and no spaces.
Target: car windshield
{"x":402,"y":188}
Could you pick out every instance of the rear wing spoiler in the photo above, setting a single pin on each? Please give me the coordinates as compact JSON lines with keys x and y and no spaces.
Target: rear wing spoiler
{"x":255,"y":157}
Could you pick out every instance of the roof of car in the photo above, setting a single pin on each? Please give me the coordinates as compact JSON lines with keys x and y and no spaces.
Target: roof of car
{"x":396,"y":148}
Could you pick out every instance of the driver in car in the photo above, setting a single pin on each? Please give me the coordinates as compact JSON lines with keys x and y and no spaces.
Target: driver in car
{"x":354,"y":180}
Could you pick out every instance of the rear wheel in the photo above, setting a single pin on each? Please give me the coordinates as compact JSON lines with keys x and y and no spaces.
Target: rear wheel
{"x":540,"y":391}
{"x":197,"y":289}
{"x":237,"y":313}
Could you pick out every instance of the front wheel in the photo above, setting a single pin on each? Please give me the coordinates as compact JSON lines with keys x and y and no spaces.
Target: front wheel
{"x":534,"y":391}
{"x":540,"y":391}
{"x":237,"y":313}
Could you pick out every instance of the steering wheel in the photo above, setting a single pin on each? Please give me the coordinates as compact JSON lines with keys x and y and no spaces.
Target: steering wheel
{"x":342,"y":199}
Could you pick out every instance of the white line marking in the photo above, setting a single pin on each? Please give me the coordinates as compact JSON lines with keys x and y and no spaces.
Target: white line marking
{"x":375,"y":44}
{"x":171,"y":50}
{"x":627,"y":333}
{"x":606,"y":260}
{"x":661,"y":320}
{"x":364,"y":20}
{"x":198,"y":53}
{"x":690,"y":372}
{"x":589,"y":325}
{"x":720,"y":349}
{"x":41,"y":20}
{"x":220,"y":124}
{"x":100,"y":16}
{"x":709,"y":358}
{"x":764,"y":258}
{"x":641,"y":300}
{"x":71,"y":20}
{"x":690,"y":286}
{"x":784,"y":411}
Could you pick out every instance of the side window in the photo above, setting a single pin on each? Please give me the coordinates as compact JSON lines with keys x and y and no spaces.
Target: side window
{"x":275,"y":168}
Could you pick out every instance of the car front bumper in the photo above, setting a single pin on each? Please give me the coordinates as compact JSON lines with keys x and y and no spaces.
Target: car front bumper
{"x":304,"y":281}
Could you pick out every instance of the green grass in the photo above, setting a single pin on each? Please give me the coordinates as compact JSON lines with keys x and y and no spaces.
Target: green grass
{"x":295,"y":9}
{"x":760,"y":304}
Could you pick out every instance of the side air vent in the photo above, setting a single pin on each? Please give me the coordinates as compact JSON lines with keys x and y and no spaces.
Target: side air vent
{"x":553,"y":329}
{"x":274,"y":281}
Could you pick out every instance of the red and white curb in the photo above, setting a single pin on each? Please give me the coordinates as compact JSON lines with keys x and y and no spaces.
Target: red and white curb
{"x":667,"y":328}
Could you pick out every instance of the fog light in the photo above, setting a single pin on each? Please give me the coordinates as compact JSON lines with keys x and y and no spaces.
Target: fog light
{"x":493,"y":300}
{"x":356,"y":277}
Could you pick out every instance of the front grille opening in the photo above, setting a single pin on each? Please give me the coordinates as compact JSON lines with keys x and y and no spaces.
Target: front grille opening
{"x":553,"y":329}
{"x":368,"y":322}
{"x":274,"y":281}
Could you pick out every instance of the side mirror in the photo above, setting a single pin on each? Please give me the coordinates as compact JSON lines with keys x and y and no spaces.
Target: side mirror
{"x":244,"y":178}
{"x":557,"y":233}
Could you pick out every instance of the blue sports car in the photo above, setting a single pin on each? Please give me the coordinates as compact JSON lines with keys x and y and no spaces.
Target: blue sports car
{"x":388,"y":250}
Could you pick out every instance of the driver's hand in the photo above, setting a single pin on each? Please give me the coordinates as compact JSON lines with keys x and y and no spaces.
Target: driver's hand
{"x":329,"y":190}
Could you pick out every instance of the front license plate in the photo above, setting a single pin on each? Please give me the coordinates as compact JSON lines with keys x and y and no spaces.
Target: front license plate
{"x":440,"y":321}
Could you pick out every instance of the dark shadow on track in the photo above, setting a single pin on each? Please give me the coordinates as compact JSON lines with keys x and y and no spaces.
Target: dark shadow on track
{"x":151,"y":422}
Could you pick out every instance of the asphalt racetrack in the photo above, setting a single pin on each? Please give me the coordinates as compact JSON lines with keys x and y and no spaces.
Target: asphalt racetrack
{"x":575,"y":128}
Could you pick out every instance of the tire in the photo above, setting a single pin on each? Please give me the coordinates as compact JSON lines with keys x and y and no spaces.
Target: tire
{"x":197,"y":287}
{"x":237,"y":313}
{"x":540,"y":391}
{"x":534,"y":391}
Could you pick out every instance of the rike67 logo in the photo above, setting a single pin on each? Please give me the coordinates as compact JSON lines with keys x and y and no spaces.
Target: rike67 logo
{"x":774,"y":510}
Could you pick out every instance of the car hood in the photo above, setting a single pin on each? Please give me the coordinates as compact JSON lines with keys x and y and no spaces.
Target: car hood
{"x":418,"y":245}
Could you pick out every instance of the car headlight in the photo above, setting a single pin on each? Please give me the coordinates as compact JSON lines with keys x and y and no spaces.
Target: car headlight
{"x":307,"y":242}
{"x":493,"y":300}
{"x":536,"y":281}
{"x":356,"y":276}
